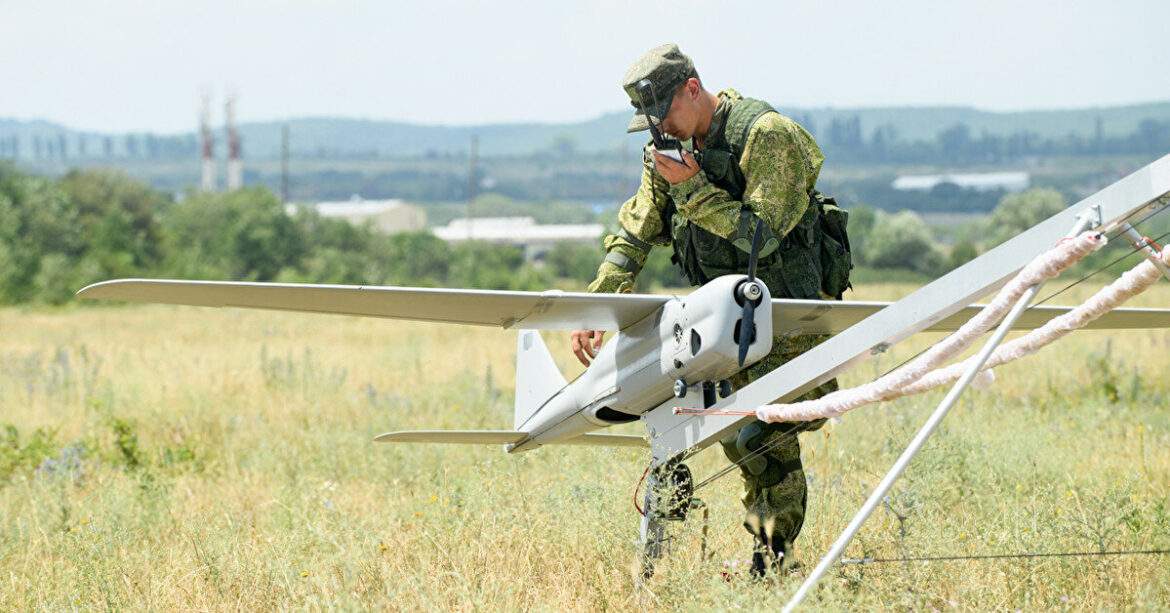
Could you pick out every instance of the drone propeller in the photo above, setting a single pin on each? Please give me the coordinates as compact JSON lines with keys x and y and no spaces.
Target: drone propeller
{"x":749,"y":291}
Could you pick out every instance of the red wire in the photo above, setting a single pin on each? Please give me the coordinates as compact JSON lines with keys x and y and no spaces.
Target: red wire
{"x":638,"y":487}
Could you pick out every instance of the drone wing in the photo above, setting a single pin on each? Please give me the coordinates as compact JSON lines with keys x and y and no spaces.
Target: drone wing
{"x":550,"y":310}
{"x":791,"y":317}
{"x":504,"y":437}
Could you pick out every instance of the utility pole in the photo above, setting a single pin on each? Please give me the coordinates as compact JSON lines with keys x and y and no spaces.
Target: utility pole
{"x":472,"y":180}
{"x":284,"y":164}
{"x":235,"y":167}
{"x":207,"y":145}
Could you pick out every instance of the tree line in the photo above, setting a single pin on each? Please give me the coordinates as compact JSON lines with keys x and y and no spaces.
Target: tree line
{"x":58,"y":235}
{"x":843,"y":141}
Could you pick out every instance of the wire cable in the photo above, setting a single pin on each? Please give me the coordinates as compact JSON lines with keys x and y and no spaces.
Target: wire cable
{"x":1073,"y":284}
{"x":1098,"y":271}
{"x":1002,"y":556}
{"x":778,"y":439}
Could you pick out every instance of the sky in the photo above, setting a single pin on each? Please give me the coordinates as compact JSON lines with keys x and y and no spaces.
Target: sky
{"x":122,"y":65}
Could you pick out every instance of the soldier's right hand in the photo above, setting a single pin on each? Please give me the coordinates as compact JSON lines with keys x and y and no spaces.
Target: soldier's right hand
{"x":586,"y":343}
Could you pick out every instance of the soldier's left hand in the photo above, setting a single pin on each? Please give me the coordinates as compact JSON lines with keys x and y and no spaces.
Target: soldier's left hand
{"x":673,"y":171}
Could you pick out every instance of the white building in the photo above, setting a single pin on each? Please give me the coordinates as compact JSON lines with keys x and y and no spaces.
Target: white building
{"x":386,"y":216}
{"x":978,"y":181}
{"x":523,"y":232}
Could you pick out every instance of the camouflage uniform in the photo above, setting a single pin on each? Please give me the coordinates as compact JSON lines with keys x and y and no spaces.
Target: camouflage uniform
{"x":780,"y":163}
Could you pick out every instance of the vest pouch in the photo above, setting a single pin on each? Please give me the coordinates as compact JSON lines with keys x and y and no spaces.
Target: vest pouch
{"x":835,"y":266}
{"x":804,"y":233}
{"x":800,"y":272}
{"x":834,"y":221}
{"x":684,"y":249}
{"x":836,"y":259}
{"x":715,"y":254}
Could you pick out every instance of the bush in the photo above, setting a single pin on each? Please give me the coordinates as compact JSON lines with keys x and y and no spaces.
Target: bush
{"x":964,"y":251}
{"x":36,"y":220}
{"x":574,"y":261}
{"x":118,"y":218}
{"x":861,"y":221}
{"x":487,"y":266}
{"x":1018,"y":212}
{"x":241,"y":235}
{"x":902,"y":241}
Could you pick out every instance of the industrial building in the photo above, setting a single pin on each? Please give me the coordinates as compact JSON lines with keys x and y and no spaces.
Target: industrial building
{"x":536,"y":239}
{"x":978,"y":181}
{"x":385,"y":216}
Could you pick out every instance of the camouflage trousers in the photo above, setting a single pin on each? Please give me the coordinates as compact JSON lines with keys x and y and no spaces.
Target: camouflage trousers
{"x":775,"y":491}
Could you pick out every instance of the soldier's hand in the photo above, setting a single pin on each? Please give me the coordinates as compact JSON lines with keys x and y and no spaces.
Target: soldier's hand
{"x":675,"y":172}
{"x":586,"y":343}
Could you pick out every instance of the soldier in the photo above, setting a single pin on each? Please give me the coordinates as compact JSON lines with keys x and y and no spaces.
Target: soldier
{"x":743,"y":164}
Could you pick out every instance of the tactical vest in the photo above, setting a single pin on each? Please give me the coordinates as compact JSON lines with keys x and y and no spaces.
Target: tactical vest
{"x":811,"y":259}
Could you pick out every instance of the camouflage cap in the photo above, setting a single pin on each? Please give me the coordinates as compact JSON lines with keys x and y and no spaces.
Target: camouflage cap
{"x":666,"y":68}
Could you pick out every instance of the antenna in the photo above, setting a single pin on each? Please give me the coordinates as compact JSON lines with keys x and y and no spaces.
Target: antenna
{"x":472,"y":182}
{"x":284,"y":164}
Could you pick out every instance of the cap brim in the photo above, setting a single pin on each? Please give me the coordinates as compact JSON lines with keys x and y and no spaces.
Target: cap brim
{"x":639,"y":123}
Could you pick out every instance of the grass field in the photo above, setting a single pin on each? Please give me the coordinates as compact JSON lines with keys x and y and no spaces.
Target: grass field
{"x":167,"y":458}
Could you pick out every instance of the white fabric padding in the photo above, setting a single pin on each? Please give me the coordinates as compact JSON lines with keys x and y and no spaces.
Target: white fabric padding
{"x":1130,"y":284}
{"x":893,"y":385}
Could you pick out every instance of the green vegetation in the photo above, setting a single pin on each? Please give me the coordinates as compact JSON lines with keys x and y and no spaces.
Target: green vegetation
{"x":1018,"y":212}
{"x":57,"y":236}
{"x":168,"y":458}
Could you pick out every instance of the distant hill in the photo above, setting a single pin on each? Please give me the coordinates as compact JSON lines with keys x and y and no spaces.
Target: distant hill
{"x":607,"y":132}
{"x":923,"y":123}
{"x":361,"y":138}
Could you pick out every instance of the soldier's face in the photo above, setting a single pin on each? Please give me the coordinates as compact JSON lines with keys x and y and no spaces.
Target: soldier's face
{"x":682,"y":120}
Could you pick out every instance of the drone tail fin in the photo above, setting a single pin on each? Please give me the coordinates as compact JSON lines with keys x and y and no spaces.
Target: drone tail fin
{"x":537,"y":376}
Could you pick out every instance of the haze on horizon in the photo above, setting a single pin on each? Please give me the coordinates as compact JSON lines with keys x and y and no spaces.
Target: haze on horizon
{"x":129,"y":65}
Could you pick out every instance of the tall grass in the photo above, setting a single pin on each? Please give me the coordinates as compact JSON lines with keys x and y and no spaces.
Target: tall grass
{"x":164,"y":457}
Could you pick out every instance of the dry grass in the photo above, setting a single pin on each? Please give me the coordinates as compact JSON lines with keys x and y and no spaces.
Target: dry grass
{"x":193,"y":458}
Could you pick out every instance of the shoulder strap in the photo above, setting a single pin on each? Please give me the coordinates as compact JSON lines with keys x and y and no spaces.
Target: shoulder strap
{"x":743,"y":116}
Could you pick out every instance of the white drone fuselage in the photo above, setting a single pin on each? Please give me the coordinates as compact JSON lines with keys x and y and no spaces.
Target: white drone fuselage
{"x":691,"y":339}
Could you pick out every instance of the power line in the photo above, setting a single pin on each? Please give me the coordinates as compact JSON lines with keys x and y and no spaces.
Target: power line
{"x":1002,"y":556}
